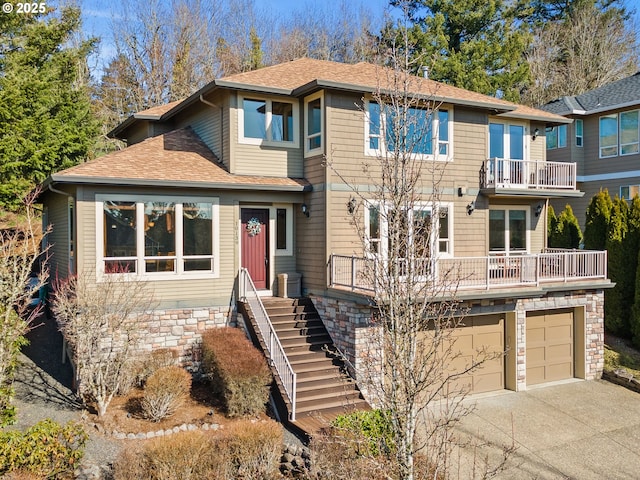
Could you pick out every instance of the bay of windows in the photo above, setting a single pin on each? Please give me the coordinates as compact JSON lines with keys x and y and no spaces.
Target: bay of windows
{"x":159,"y":236}
{"x":411,"y":131}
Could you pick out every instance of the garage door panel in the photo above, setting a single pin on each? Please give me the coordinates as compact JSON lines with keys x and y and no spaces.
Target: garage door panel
{"x":488,"y":382}
{"x":549,"y":353}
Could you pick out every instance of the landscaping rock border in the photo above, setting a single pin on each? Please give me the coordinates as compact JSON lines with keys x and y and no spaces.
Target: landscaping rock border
{"x":185,"y":427}
{"x":623,"y":378}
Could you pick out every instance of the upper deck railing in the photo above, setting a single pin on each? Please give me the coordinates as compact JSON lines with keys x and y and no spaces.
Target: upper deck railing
{"x":502,"y":173}
{"x":482,"y":273}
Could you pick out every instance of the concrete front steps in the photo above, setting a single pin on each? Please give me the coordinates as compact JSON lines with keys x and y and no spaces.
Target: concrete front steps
{"x":324,"y":390}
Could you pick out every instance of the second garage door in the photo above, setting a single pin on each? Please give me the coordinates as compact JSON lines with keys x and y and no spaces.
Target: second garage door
{"x":478,"y":333}
{"x":549,"y":346}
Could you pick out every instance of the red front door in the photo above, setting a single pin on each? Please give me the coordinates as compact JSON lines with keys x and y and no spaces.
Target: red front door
{"x":255,"y":245}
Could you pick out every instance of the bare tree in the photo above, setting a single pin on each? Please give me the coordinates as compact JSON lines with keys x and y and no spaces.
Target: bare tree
{"x":98,"y":321}
{"x":585,"y":51}
{"x":411,"y":367}
{"x":22,"y":273}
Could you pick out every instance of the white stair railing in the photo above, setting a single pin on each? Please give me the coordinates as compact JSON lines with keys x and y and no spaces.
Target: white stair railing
{"x":275,"y":351}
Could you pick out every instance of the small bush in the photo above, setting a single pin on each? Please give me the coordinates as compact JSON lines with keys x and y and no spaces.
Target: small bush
{"x":152,"y":362}
{"x":238,"y":371}
{"x":182,"y":456}
{"x":252,"y":449}
{"x":246,"y":450}
{"x":373,"y":427}
{"x":47,"y":449}
{"x":165,"y":391}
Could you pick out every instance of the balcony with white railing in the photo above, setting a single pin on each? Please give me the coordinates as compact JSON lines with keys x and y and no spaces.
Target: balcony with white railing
{"x":502,"y":174}
{"x":482,"y":273}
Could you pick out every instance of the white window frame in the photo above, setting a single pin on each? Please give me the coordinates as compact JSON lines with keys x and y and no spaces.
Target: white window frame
{"x":637,"y":142}
{"x":273,"y":219}
{"x":506,"y":138}
{"x":435,"y":137}
{"x":600,"y":147}
{"x":419,"y":206}
{"x":140,"y":272}
{"x":507,"y":251}
{"x":579,"y":137}
{"x":295,"y":143}
{"x":308,"y":152}
{"x":631,"y":191}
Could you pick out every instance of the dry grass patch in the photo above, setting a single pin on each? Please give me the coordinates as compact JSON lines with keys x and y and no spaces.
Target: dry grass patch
{"x":619,"y":354}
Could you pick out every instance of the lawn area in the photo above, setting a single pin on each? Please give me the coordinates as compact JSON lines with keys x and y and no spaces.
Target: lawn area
{"x":619,"y":354}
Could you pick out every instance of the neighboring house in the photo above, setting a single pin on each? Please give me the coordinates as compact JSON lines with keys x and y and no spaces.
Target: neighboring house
{"x":235,"y":177}
{"x":603,"y":140}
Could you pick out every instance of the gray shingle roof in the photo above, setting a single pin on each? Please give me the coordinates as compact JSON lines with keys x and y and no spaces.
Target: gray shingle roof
{"x":617,"y":94}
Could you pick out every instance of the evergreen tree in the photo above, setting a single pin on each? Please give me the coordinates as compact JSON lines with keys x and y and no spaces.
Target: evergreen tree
{"x":597,"y":221}
{"x":563,"y":231}
{"x":474,"y":44}
{"x":616,"y":313}
{"x":46,"y":121}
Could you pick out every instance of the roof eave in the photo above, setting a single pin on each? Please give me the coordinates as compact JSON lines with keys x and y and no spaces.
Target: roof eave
{"x":558,"y":120}
{"x":138,"y":182}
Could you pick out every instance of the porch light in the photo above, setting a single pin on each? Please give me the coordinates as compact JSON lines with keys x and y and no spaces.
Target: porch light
{"x":471,"y":207}
{"x":305,"y":210}
{"x":536,"y":132}
{"x":538,"y":210}
{"x":351,"y":205}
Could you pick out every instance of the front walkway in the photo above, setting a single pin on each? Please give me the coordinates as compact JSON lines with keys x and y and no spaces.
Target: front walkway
{"x":576,"y":430}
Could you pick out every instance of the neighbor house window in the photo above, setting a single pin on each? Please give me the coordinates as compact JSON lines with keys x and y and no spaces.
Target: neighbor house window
{"x":388,"y":129}
{"x":579,"y":132}
{"x":314,"y":119}
{"x":627,"y":192}
{"x":171,"y":236}
{"x":508,"y":230}
{"x":609,"y":136}
{"x":556,"y":137}
{"x":629,"y":133}
{"x":268,"y":122}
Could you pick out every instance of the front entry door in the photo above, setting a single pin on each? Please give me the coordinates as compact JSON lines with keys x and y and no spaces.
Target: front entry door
{"x":255,"y":245}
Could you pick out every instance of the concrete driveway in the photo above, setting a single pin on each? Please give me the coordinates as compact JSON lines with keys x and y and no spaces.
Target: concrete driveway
{"x":576,"y":430}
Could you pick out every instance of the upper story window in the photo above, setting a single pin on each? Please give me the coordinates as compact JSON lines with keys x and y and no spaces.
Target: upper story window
{"x":314,"y":124}
{"x":579,"y":125}
{"x":506,"y":141}
{"x":609,"y":136}
{"x":556,"y":137}
{"x":629,"y":133}
{"x":158,"y":236}
{"x":415,"y":131}
{"x":268,"y":122}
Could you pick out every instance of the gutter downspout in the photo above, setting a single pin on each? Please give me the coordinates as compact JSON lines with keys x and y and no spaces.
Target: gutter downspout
{"x":207,"y":102}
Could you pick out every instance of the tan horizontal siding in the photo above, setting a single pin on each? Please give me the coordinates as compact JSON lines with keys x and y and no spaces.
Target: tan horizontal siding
{"x":58,"y":239}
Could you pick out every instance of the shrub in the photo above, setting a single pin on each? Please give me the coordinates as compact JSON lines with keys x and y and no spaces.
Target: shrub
{"x":372,"y":426}
{"x":47,"y":449}
{"x":183,"y":456}
{"x":238,"y":371}
{"x":246,"y":450}
{"x":151,"y":362}
{"x":165,"y":391}
{"x":252,"y":449}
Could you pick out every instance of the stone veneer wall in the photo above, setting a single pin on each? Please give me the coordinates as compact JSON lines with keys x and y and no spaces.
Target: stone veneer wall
{"x":348,"y":324}
{"x":180,"y":330}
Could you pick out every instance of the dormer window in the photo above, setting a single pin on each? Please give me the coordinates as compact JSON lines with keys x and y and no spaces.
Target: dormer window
{"x":268,"y":122}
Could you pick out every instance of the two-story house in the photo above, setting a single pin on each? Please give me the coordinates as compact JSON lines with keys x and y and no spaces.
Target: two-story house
{"x":219,"y":194}
{"x":603,"y":140}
